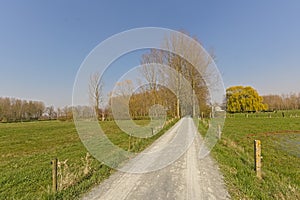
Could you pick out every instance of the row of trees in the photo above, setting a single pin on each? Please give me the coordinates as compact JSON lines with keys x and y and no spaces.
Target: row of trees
{"x":247,"y":99}
{"x":140,"y":101}
{"x":180,"y":89}
{"x":239,"y":99}
{"x":18,"y":110}
{"x":283,"y":102}
{"x":166,"y":87}
{"x":12,"y":109}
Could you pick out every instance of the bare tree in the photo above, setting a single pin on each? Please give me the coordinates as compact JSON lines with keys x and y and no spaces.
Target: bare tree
{"x":189,"y":63}
{"x":51,"y":112}
{"x":95,"y":93}
{"x":151,"y":72}
{"x":283,"y":102}
{"x":13,"y":110}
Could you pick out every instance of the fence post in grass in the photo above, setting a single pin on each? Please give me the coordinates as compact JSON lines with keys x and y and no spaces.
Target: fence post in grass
{"x":257,"y":158}
{"x":54,"y":175}
{"x":152,"y":131}
{"x":219,"y":132}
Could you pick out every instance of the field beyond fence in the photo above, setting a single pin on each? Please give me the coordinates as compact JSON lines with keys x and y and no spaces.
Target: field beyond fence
{"x":280,"y":140}
{"x":28,"y":148}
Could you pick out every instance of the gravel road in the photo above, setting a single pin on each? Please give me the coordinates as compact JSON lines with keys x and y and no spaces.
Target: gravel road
{"x":188,"y":177}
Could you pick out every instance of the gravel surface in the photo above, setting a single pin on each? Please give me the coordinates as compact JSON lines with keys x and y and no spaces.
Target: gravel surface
{"x":188,"y":177}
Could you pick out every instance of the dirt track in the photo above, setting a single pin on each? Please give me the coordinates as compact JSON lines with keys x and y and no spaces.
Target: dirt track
{"x":186,"y":178}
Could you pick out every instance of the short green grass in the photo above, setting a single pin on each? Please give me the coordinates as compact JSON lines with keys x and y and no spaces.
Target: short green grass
{"x":27,"y":149}
{"x":280,"y":140}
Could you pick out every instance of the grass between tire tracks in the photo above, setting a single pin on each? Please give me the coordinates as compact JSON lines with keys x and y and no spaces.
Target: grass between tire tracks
{"x":234,"y":153}
{"x":27,"y":149}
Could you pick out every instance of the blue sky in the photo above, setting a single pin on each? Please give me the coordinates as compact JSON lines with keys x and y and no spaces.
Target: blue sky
{"x":43,"y":43}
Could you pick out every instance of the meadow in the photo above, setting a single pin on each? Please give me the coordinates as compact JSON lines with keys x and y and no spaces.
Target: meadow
{"x":280,"y":138}
{"x":28,"y":148}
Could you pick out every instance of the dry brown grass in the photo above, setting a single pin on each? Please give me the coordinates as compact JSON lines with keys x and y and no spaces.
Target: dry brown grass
{"x":68,"y":176}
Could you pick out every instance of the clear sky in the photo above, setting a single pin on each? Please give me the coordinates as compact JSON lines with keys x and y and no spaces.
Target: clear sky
{"x":43,"y":43}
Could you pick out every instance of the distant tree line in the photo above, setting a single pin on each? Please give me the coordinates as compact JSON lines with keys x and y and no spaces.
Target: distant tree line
{"x":239,"y":99}
{"x":283,"y":102}
{"x":12,"y":109}
{"x":246,"y":99}
{"x":19,"y":110}
{"x":141,"y":100}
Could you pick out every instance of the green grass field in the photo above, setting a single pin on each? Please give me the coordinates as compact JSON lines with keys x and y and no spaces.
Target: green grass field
{"x":280,"y":138}
{"x":27,"y":149}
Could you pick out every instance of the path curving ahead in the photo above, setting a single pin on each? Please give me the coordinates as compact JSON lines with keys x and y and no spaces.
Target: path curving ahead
{"x":186,"y":178}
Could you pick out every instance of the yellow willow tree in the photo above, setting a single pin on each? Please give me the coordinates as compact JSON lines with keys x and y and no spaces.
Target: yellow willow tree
{"x":244,"y":99}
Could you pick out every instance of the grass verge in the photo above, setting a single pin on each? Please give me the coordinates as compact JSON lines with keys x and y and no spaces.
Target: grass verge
{"x":27,"y":149}
{"x":280,"y":139}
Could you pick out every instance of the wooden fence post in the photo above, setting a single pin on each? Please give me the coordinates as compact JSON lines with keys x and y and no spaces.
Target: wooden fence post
{"x":54,"y":175}
{"x":219,"y":132}
{"x":257,"y":158}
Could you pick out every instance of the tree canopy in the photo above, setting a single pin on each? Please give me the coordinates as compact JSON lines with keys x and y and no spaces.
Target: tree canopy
{"x":244,"y":99}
